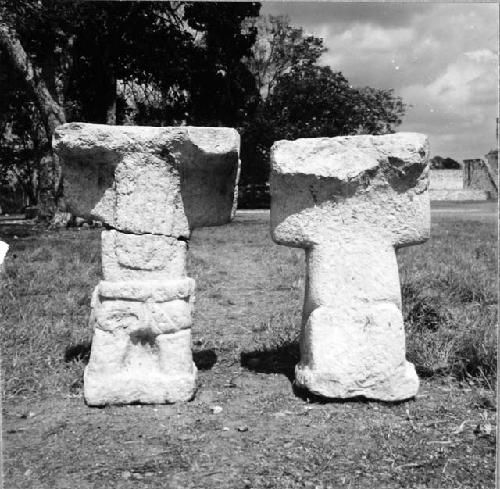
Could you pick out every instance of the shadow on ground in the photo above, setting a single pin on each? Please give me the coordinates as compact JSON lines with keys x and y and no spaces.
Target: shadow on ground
{"x":79,"y":352}
{"x":279,"y":360}
{"x":282,"y":360}
{"x":204,"y":359}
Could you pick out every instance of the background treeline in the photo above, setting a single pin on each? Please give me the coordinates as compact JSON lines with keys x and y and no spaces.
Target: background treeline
{"x":167,"y":63}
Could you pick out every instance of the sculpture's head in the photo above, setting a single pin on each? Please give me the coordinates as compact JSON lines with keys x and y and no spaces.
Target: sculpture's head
{"x":373,"y":185}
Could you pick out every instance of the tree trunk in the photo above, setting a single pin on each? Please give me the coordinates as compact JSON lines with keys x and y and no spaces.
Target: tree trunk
{"x":51,"y":113}
{"x":110,"y":97}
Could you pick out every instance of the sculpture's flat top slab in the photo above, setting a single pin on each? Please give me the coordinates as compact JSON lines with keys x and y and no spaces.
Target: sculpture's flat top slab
{"x":346,"y":157}
{"x":367,"y":186}
{"x":81,"y":137}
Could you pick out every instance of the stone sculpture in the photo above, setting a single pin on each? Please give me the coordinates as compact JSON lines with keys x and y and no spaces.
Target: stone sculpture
{"x":350,"y":202}
{"x":150,"y":186}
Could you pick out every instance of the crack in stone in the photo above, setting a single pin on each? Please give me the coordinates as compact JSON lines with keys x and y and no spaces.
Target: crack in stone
{"x":108,"y":227}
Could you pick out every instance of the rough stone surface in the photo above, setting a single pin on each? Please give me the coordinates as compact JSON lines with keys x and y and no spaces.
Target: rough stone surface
{"x":142,"y":256}
{"x":158,"y":180}
{"x":141,"y":350}
{"x":350,"y":201}
{"x":150,"y":187}
{"x":147,"y":290}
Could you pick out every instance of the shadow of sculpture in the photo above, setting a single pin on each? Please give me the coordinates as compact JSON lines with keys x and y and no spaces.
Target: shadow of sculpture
{"x":279,"y":360}
{"x":79,"y":352}
{"x":204,"y":359}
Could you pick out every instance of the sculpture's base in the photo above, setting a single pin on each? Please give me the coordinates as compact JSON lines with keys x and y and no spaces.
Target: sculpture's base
{"x":138,"y":387}
{"x":141,"y":349}
{"x":403,"y":384}
{"x":356,"y":350}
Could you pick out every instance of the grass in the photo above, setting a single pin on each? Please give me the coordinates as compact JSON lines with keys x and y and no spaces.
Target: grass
{"x":247,"y":318}
{"x":449,"y":289}
{"x":45,"y":306}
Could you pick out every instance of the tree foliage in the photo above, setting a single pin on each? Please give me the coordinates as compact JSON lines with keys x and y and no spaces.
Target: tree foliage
{"x":314,"y":101}
{"x":83,"y":60}
{"x":222,"y":90}
{"x":279,"y":47}
{"x":439,"y":163}
{"x":22,"y":135}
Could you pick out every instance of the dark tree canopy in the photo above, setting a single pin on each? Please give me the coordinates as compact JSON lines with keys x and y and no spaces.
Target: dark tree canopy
{"x":314,"y":101}
{"x":222,"y":89}
{"x":439,"y":163}
{"x":83,"y":60}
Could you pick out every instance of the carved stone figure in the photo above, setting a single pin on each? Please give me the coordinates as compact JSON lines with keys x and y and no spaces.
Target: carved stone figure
{"x":150,"y":186}
{"x":350,"y":202}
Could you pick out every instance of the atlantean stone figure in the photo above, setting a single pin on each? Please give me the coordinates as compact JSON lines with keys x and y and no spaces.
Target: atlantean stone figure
{"x":150,"y":186}
{"x":350,"y":202}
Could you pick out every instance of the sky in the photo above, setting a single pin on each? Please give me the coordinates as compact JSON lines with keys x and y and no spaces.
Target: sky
{"x":441,"y":58}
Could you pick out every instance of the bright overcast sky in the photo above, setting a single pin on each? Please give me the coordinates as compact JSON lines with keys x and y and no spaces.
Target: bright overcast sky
{"x":440,"y":58}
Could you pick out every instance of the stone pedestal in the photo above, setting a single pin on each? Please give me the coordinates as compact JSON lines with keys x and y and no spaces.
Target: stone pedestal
{"x":350,"y":201}
{"x":151,"y":187}
{"x":141,"y":350}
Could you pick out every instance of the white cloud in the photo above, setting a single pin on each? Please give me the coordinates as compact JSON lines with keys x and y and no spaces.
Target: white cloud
{"x":441,"y":58}
{"x":458,"y":108}
{"x":482,"y":55}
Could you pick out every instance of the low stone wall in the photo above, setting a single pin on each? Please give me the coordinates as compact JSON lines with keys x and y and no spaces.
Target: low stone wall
{"x":446,"y":180}
{"x":449,"y":185}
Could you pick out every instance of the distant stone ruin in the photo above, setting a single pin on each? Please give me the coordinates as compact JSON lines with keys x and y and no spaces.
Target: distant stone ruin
{"x":477,"y":180}
{"x":350,"y":202}
{"x":449,"y":185}
{"x":150,"y":186}
{"x":482,"y":175}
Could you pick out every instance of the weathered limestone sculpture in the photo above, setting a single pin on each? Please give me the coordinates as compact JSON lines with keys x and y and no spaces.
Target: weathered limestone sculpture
{"x":350,"y":201}
{"x":150,"y":186}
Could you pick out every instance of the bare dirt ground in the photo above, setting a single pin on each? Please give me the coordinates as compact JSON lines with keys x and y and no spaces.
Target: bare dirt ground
{"x":247,"y":427}
{"x":264,"y":437}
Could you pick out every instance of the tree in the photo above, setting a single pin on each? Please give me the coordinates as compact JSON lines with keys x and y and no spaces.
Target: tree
{"x":439,"y":163}
{"x":313,"y":101}
{"x":70,"y":58}
{"x":221,"y":88}
{"x":22,"y":135}
{"x":49,"y":111}
{"x":278,"y":48}
{"x":143,"y":43}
